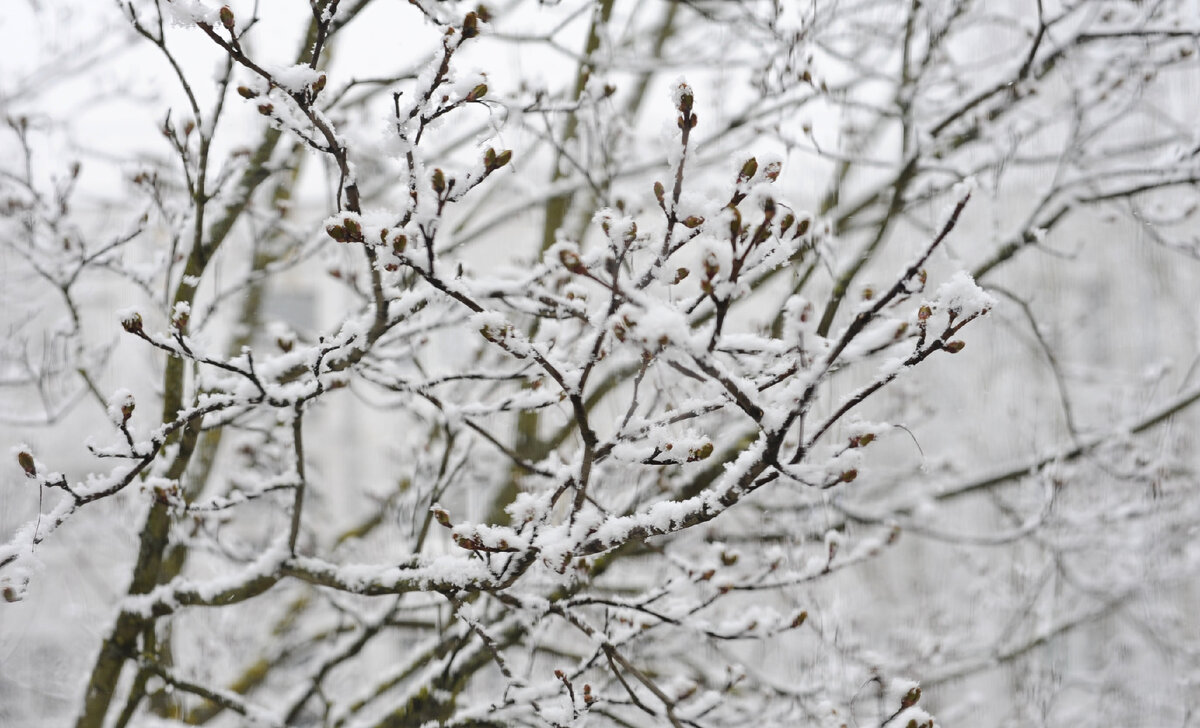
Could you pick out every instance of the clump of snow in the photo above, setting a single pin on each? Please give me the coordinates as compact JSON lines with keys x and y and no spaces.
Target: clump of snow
{"x":186,"y":13}
{"x":962,"y":296}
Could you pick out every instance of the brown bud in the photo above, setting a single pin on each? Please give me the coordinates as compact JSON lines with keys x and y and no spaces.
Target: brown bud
{"x":802,"y":228}
{"x":924,"y":313}
{"x":788,"y":220}
{"x":503,"y":158}
{"x":354,"y":231}
{"x":571,"y":261}
{"x":749,"y":168}
{"x":442,"y":516}
{"x":735,"y":225}
{"x":659,"y":192}
{"x":478,"y":92}
{"x":772,"y":171}
{"x":265,"y":109}
{"x":849,"y":475}
{"x":701,"y":452}
{"x":686,"y":99}
{"x":955,"y":346}
{"x":25,"y":460}
{"x":226,"y":17}
{"x":399,"y":243}
{"x":470,"y":25}
{"x":799,"y":619}
{"x":680,"y":274}
{"x":132,"y":324}
{"x":246,"y":92}
{"x":337,"y":232}
{"x":319,"y":85}
{"x":439,"y":181}
{"x":127,"y":411}
{"x":693,"y":221}
{"x":910,"y":698}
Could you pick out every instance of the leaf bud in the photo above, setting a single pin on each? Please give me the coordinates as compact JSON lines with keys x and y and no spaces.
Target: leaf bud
{"x":265,"y":109}
{"x":693,"y":221}
{"x":319,"y":85}
{"x":226,"y":17}
{"x":439,"y":181}
{"x":849,"y":475}
{"x":470,"y":27}
{"x":924,"y":313}
{"x":802,"y":228}
{"x":571,"y":261}
{"x":686,"y":99}
{"x":478,"y":92}
{"x":441,"y":515}
{"x":660,"y":192}
{"x":337,"y":232}
{"x":132,"y":323}
{"x":25,"y":460}
{"x":749,"y":168}
{"x":955,"y":346}
{"x":799,"y":619}
{"x":788,"y":220}
{"x":503,"y":158}
{"x":910,"y":698}
{"x":680,"y":274}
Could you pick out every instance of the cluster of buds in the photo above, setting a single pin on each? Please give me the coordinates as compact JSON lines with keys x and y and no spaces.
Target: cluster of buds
{"x":493,"y":160}
{"x":350,"y":231}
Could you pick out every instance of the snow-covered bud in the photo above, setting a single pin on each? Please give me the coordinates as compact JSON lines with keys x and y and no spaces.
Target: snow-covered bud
{"x":788,"y":220}
{"x":127,"y":409}
{"x":660,"y":193}
{"x":680,"y":274}
{"x":924,"y":313}
{"x":802,"y":228}
{"x":399,"y":243}
{"x":25,"y":460}
{"x":772,"y":170}
{"x":571,"y":261}
{"x":337,"y":232}
{"x":439,"y":181}
{"x":735,"y":224}
{"x":910,"y":698}
{"x":266,"y":109}
{"x":246,"y":92}
{"x":693,"y":221}
{"x":862,"y":440}
{"x":955,"y":346}
{"x":700,"y":453}
{"x":132,"y":323}
{"x":849,"y":475}
{"x":441,"y":515}
{"x":749,"y":169}
{"x":226,"y":15}
{"x":685,"y":99}
{"x":354,"y":232}
{"x":319,"y":85}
